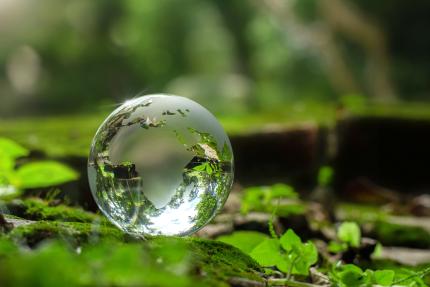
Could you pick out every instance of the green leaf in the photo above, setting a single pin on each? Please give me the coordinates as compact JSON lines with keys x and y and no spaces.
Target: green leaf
{"x":384,"y":277}
{"x":299,"y":262}
{"x":377,"y":253}
{"x":9,"y":151}
{"x":283,"y":191}
{"x":12,"y":149}
{"x":308,"y":256}
{"x":290,"y":240}
{"x":352,"y":276}
{"x":209,"y":169}
{"x":246,"y":241}
{"x":336,"y":247}
{"x":201,"y":167}
{"x":286,"y":262}
{"x":267,"y":253}
{"x":44,"y":174}
{"x":7,"y":163}
{"x":349,"y":232}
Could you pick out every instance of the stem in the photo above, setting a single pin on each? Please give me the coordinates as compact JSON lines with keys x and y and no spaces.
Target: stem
{"x":290,"y":270}
{"x":420,"y":274}
{"x":272,"y":218}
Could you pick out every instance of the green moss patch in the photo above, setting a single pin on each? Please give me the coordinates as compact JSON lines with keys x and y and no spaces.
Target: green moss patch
{"x":37,"y":209}
{"x":76,"y":233}
{"x":104,"y":255}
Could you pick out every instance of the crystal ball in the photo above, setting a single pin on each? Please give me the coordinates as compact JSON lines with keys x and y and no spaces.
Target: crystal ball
{"x":160,"y":165}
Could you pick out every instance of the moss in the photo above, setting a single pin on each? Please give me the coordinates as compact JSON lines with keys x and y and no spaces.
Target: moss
{"x":392,"y":234}
{"x":37,"y":209}
{"x":213,"y":263}
{"x":217,"y":260}
{"x":158,"y":261}
{"x":75,"y":233}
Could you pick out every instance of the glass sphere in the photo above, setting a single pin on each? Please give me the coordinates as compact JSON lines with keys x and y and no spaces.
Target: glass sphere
{"x":160,"y":164}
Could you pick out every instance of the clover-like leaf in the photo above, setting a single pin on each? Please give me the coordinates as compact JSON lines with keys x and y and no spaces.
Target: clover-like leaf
{"x":384,"y":277}
{"x":308,"y":256}
{"x":267,"y":253}
{"x":290,"y":240}
{"x":352,"y":276}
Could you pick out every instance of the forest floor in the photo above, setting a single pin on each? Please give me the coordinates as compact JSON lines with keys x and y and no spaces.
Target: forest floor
{"x":317,"y":231}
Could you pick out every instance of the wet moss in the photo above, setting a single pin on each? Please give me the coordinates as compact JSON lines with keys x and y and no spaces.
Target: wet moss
{"x":37,"y":209}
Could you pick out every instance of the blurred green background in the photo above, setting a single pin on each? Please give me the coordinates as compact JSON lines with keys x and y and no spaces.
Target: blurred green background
{"x":235,"y":57}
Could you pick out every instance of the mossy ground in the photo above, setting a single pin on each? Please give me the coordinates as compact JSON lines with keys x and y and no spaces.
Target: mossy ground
{"x":207,"y":262}
{"x":54,"y":244}
{"x":38,"y":209}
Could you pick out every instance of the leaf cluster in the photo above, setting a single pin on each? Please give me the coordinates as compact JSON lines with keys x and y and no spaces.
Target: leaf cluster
{"x":288,"y":253}
{"x":353,"y":276}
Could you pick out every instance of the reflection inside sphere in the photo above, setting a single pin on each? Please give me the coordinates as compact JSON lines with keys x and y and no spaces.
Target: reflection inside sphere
{"x":160,"y":164}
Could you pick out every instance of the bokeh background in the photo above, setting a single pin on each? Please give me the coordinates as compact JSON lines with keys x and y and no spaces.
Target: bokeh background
{"x":298,"y":84}
{"x":233,"y":56}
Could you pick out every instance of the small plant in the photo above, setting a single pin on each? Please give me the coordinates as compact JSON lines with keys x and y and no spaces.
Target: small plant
{"x":288,"y":253}
{"x":29,"y":175}
{"x":353,"y":276}
{"x":267,"y":198}
{"x":293,"y":257}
